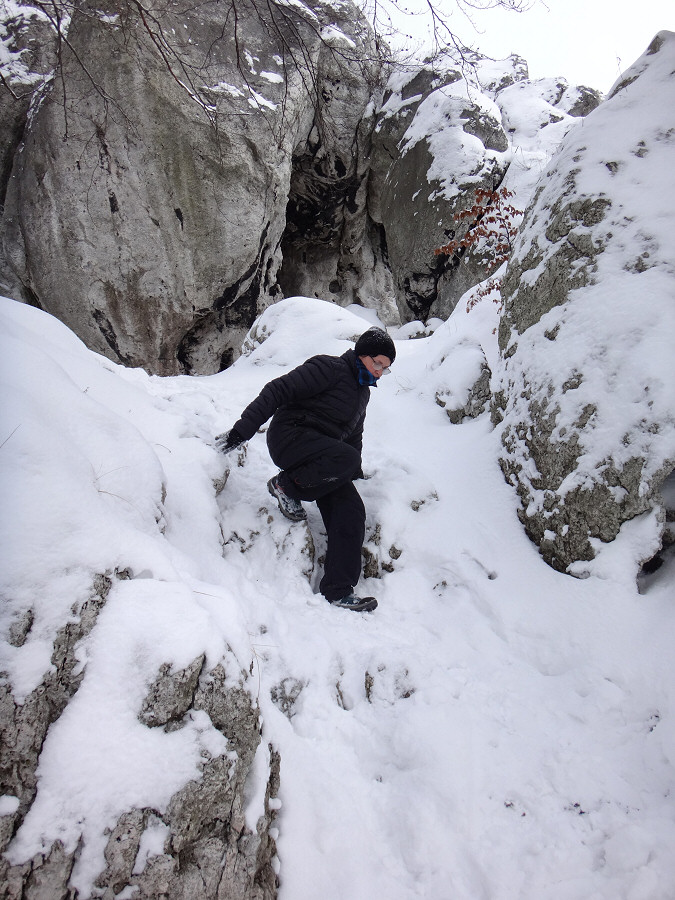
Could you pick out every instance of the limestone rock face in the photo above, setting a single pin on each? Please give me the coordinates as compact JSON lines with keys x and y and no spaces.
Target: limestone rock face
{"x":441,"y":134}
{"x":24,"y":726}
{"x":585,"y":390}
{"x":28,"y":50}
{"x":330,"y":247}
{"x":147,"y":203}
{"x":208,"y":849}
{"x":435,"y":141}
{"x":164,"y":180}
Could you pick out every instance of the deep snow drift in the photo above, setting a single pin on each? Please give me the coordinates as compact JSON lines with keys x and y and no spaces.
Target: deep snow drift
{"x":494,"y":730}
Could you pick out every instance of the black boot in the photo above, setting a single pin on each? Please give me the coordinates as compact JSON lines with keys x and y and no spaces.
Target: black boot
{"x":358,"y":604}
{"x":289,"y":507}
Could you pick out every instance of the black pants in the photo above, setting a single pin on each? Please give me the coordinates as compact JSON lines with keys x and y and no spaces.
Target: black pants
{"x":318,"y":467}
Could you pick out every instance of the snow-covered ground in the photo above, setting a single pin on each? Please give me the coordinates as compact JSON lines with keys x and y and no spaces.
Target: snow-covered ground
{"x":494,"y":730}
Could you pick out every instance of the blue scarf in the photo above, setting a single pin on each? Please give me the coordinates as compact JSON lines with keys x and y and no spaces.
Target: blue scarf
{"x":365,"y":377}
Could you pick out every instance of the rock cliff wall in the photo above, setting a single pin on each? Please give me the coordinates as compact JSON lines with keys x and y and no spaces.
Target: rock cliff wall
{"x":443,"y":131}
{"x":168,"y":175}
{"x":147,"y":200}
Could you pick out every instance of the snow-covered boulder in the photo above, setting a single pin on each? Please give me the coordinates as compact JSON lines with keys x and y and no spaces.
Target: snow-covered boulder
{"x":463,"y":388}
{"x":586,"y":384}
{"x":443,"y":132}
{"x":437,"y":138}
{"x":130,"y":745}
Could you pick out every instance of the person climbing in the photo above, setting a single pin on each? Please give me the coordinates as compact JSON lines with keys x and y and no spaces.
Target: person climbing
{"x":315,"y":438}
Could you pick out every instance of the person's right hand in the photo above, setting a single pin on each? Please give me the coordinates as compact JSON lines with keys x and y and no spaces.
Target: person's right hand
{"x":228,"y":441}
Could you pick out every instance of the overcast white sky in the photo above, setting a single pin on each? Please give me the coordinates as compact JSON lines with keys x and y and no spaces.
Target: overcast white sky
{"x":587,"y":41}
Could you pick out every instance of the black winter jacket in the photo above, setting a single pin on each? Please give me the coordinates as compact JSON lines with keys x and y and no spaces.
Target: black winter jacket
{"x":323,"y":393}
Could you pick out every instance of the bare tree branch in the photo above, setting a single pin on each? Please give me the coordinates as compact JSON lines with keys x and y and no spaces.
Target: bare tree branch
{"x":297,"y":33}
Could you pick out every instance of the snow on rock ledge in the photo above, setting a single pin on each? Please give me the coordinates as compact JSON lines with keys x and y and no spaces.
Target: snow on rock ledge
{"x":587,"y":371}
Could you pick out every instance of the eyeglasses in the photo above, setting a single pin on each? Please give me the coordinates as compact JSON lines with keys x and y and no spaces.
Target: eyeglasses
{"x":385,"y":370}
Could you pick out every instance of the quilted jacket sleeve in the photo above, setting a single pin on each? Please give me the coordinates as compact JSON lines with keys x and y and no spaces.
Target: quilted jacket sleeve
{"x":312,"y":377}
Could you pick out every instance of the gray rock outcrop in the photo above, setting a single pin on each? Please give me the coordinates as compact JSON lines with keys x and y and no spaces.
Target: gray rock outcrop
{"x":585,"y":390}
{"x":443,"y":132}
{"x":29,"y":59}
{"x":438,"y":137}
{"x":164,"y":179}
{"x":147,"y":201}
{"x":24,"y":726}
{"x":208,"y":849}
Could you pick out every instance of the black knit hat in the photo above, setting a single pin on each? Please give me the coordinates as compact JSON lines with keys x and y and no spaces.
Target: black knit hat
{"x":374,"y":342}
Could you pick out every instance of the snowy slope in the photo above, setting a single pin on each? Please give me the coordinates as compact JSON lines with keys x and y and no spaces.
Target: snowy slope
{"x":494,"y":730}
